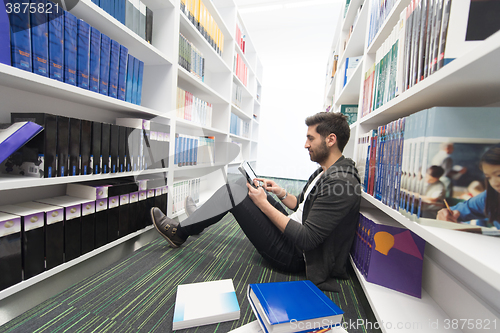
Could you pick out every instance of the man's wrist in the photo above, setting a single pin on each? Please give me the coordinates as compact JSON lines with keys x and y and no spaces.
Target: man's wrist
{"x":284,"y":196}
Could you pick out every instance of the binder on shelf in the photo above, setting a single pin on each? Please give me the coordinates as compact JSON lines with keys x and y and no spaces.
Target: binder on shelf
{"x":113,"y":148}
{"x":114,"y":65}
{"x":37,"y":158}
{"x":10,"y":250}
{"x":39,"y":38}
{"x":75,"y":127}
{"x":83,"y":51}
{"x":95,"y":57}
{"x":122,"y":143}
{"x":86,"y":147}
{"x":105,"y":148}
{"x":5,"y":53}
{"x":129,"y":78}
{"x":95,"y":154}
{"x":62,"y":146}
{"x":88,"y":227}
{"x":149,"y":25}
{"x":32,"y":233}
{"x":70,"y":48}
{"x":122,"y":73}
{"x":104,"y":64}
{"x":14,"y":136}
{"x":20,"y":38}
{"x":56,"y":45}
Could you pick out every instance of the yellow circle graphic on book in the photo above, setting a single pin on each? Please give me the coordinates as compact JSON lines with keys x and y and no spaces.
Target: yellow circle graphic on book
{"x":34,"y":219}
{"x":133,"y":196}
{"x":101,"y":192}
{"x":73,"y":210}
{"x":9,"y":224}
{"x":55,"y":213}
{"x":88,"y":207}
{"x":124,"y":198}
{"x":101,"y":203}
{"x":113,"y":200}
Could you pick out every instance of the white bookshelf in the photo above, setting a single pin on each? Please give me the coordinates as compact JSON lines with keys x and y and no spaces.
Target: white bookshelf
{"x":21,"y":91}
{"x":461,"y":270}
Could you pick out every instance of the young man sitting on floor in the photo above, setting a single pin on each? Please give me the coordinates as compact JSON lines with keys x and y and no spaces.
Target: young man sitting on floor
{"x":317,"y":237}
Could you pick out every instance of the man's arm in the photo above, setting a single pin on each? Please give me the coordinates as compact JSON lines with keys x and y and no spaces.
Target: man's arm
{"x":259,"y":197}
{"x":290,"y":201}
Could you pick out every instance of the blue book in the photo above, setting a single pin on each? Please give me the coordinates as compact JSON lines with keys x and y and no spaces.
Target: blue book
{"x":83,"y":54}
{"x":20,"y":38}
{"x":5,"y":57}
{"x":280,"y":306}
{"x":56,"y":44}
{"x":130,"y":75}
{"x":97,"y":2}
{"x":139,"y":82}
{"x":122,"y":73}
{"x":120,"y":10}
{"x":104,"y":66}
{"x":70,"y":47}
{"x":135,"y":80}
{"x":95,"y":56}
{"x":39,"y":39}
{"x":114,"y":64}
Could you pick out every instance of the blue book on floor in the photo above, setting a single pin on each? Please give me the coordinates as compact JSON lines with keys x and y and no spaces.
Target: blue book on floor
{"x":130,"y":76}
{"x":104,"y":71}
{"x":135,"y":80}
{"x":122,"y":73}
{"x":95,"y":53}
{"x":70,"y":47}
{"x":5,"y":57}
{"x":39,"y":39}
{"x":14,"y":136}
{"x":20,"y":38}
{"x":114,"y":64}
{"x":281,"y":306}
{"x":56,"y":45}
{"x":83,"y":54}
{"x":139,"y":82}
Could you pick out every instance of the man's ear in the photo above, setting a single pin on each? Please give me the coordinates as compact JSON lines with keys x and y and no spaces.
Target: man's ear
{"x":331,"y":139}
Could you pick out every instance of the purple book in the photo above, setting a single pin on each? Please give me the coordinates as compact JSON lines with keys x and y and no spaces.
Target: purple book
{"x":395,"y":258}
{"x":13,"y":137}
{"x":5,"y":38}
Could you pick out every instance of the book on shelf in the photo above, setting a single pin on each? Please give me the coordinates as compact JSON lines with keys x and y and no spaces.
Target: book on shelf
{"x":10,"y":250}
{"x":238,"y":126}
{"x":183,"y":188}
{"x":240,"y":69}
{"x":190,"y":58}
{"x":388,"y":254}
{"x":149,"y":25}
{"x":114,"y":64}
{"x":192,"y":108}
{"x":350,"y":111}
{"x":20,"y":38}
{"x":350,"y":66}
{"x":104,"y":64}
{"x":204,"y":303}
{"x":56,"y":45}
{"x":94,"y":63}
{"x":142,"y":20}
{"x":5,"y":52}
{"x":14,"y":136}
{"x":83,"y":54}
{"x":279,"y":306}
{"x":70,"y":48}
{"x":74,"y":153}
{"x":39,"y":38}
{"x":122,"y":73}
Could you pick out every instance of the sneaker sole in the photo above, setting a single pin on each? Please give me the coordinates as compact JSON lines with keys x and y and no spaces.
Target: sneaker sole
{"x":172,"y":244}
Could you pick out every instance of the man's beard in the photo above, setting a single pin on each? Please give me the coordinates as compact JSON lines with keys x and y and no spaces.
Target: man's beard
{"x":320,"y":154}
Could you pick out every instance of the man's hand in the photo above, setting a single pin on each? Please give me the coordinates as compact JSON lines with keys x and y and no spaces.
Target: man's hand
{"x":271,"y":186}
{"x":445,"y":215}
{"x":258,"y":195}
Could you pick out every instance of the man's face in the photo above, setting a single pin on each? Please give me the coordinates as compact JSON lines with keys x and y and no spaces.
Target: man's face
{"x":316,"y":145}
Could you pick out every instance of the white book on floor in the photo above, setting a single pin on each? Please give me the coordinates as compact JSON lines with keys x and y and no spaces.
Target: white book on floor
{"x":204,"y":303}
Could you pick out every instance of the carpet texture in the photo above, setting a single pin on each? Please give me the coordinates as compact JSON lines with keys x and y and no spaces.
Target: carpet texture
{"x":137,"y":294}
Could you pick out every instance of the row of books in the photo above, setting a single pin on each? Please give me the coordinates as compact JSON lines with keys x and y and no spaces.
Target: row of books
{"x":417,"y":163}
{"x":237,"y":97}
{"x":68,"y":49}
{"x":192,"y":108}
{"x":388,"y":254}
{"x":240,"y":38}
{"x":183,"y":188}
{"x":428,"y":35}
{"x":191,"y":59}
{"x":380,"y":10}
{"x":134,"y":14}
{"x":39,"y":235}
{"x":238,"y":126}
{"x":193,"y":150}
{"x":70,"y":146}
{"x":240,"y":69}
{"x":200,"y":17}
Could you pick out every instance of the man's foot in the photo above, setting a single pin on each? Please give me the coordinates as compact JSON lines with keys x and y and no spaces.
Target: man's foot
{"x":166,"y":227}
{"x":190,"y":205}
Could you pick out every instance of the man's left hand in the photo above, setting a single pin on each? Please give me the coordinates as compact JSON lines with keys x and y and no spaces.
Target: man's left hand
{"x":258,"y":195}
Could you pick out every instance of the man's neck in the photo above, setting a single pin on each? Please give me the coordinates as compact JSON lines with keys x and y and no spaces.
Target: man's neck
{"x":331,"y":160}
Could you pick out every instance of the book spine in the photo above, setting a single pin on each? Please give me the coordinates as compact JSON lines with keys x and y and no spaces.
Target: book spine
{"x":122,"y":73}
{"x":83,"y":51}
{"x":135,"y":80}
{"x":104,"y":65}
{"x":5,"y":51}
{"x":94,"y":64}
{"x":70,"y":48}
{"x":139,"y":83}
{"x":39,"y":38}
{"x":130,"y":77}
{"x":114,"y":64}
{"x":20,"y":38}
{"x":149,"y":25}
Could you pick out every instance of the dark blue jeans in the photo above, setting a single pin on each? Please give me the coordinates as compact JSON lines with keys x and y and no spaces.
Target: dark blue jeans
{"x":269,"y":241}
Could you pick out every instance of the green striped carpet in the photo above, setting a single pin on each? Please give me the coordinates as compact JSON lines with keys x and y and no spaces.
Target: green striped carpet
{"x":137,"y":294}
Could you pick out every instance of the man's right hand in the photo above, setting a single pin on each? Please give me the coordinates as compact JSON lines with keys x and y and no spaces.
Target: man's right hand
{"x":271,"y":186}
{"x":445,"y":215}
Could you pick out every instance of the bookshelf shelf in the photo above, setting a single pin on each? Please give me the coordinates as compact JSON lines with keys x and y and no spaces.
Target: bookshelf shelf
{"x":239,"y":112}
{"x":240,"y":83}
{"x":461,"y":271}
{"x":350,"y":92}
{"x":58,"y":269}
{"x":199,"y":88}
{"x":402,"y":312}
{"x":239,"y":137}
{"x":351,"y":13}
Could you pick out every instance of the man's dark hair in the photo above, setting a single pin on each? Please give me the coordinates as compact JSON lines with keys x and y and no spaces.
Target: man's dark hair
{"x":435,"y":171}
{"x":331,"y":122}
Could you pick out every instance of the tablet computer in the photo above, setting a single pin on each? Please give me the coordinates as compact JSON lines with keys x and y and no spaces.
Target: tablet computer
{"x":248,"y":172}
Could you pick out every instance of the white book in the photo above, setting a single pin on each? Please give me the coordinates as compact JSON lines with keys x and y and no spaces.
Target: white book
{"x":205,"y":303}
{"x":142,"y":20}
